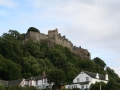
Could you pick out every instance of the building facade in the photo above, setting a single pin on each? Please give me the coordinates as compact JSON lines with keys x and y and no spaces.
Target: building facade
{"x":85,"y":79}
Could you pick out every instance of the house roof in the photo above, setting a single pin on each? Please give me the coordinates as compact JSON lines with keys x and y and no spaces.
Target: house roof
{"x":39,"y":77}
{"x":14,"y":82}
{"x":87,"y":82}
{"x":93,"y":75}
{"x":10,"y":83}
{"x":32,"y":78}
{"x":2,"y":82}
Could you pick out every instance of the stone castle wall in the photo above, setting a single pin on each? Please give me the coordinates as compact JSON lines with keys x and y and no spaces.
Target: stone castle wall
{"x":56,"y":37}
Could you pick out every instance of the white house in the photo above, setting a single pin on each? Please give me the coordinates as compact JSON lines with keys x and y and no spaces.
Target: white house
{"x":39,"y":81}
{"x":85,"y":79}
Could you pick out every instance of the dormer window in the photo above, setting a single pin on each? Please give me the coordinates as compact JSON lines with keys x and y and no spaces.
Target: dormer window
{"x":87,"y":78}
{"x":78,"y":79}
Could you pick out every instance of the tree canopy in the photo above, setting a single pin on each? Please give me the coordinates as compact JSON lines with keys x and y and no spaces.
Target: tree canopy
{"x":32,"y":59}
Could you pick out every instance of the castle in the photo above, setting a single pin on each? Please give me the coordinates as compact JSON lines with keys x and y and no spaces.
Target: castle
{"x":56,"y":37}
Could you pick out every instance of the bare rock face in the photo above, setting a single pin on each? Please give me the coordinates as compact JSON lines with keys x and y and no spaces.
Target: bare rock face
{"x":53,"y":38}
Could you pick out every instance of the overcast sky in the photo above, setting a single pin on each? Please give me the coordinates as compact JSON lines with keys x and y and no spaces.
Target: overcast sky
{"x":91,"y":24}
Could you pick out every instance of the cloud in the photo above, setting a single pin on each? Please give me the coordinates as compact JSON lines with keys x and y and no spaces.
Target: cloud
{"x":92,"y":24}
{"x":8,"y":3}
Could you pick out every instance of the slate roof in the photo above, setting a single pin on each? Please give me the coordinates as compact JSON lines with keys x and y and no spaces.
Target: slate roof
{"x":93,"y":75}
{"x":2,"y":82}
{"x":40,"y":77}
{"x":14,"y":82}
{"x":11,"y":83}
{"x":32,"y":78}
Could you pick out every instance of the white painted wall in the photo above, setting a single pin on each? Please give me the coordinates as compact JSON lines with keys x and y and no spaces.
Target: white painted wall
{"x":72,"y":86}
{"x":40,"y":82}
{"x":97,"y":80}
{"x":82,"y":76}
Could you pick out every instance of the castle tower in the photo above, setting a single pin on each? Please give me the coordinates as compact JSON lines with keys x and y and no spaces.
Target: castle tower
{"x":53,"y":35}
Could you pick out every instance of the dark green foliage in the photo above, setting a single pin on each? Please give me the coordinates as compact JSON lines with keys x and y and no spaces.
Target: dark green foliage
{"x":2,"y":87}
{"x":99,"y":62}
{"x":97,"y":86}
{"x":33,"y":29}
{"x":21,"y":88}
{"x":113,"y":75}
{"x":111,"y":85}
{"x":57,"y":76}
{"x":30,"y":67}
{"x":75,"y":89}
{"x":32,"y":59}
{"x":7,"y":67}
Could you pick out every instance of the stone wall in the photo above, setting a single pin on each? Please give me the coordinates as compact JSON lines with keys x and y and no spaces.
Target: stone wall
{"x":56,"y":37}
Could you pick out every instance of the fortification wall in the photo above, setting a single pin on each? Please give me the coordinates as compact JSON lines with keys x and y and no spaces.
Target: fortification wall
{"x":64,"y":42}
{"x":82,"y":52}
{"x":53,"y":36}
{"x":43,"y":36}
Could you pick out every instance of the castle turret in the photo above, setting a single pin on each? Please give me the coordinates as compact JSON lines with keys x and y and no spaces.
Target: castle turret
{"x":53,"y":35}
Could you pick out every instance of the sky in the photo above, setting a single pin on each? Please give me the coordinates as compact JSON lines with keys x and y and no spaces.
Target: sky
{"x":91,"y":24}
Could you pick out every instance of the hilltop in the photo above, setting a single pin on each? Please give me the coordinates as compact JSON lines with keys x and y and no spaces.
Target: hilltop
{"x":23,"y":60}
{"x":55,"y":38}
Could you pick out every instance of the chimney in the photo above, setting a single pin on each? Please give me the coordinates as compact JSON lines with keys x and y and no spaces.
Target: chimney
{"x":97,"y":76}
{"x":44,"y":74}
{"x":106,"y":76}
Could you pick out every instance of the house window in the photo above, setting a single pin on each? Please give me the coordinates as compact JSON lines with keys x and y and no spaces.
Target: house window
{"x":36,"y":82}
{"x":82,"y":86}
{"x":44,"y":80}
{"x":78,"y":79}
{"x":87,"y":78}
{"x":86,"y":86}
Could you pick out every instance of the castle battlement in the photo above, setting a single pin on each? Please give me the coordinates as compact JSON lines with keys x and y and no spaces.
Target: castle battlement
{"x":56,"y":37}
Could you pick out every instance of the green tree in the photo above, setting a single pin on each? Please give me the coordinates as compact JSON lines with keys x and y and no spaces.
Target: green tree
{"x":33,"y":29}
{"x":30,"y":67}
{"x":99,"y":62}
{"x":56,"y":76}
{"x":98,"y":85}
